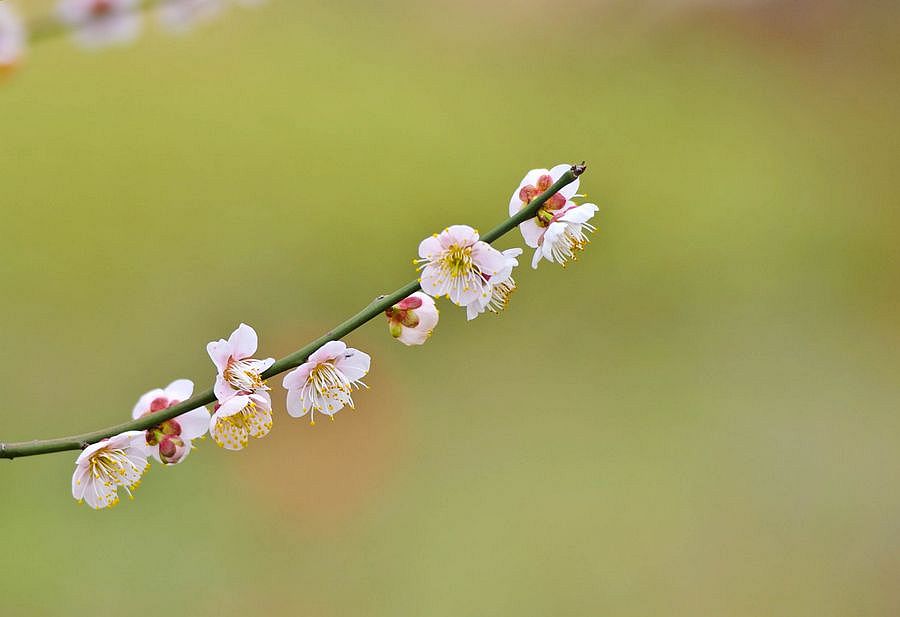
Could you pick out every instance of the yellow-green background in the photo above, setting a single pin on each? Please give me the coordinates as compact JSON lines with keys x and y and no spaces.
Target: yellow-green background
{"x":700,"y":417}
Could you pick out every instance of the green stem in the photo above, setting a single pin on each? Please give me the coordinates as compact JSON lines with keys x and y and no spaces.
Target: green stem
{"x":375,"y":308}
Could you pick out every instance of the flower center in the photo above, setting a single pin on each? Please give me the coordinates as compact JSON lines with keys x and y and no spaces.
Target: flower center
{"x":458,"y":260}
{"x":235,"y":430}
{"x":243,"y":376}
{"x":326,"y":379}
{"x":113,"y":467}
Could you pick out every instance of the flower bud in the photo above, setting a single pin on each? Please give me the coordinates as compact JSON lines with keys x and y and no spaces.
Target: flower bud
{"x":412,"y":320}
{"x":172,"y":450}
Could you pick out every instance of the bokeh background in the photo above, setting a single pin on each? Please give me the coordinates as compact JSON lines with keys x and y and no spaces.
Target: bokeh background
{"x":700,"y":417}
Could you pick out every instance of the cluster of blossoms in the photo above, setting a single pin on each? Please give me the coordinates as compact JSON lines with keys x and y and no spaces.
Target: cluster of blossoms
{"x":455,"y":263}
{"x":103,"y":23}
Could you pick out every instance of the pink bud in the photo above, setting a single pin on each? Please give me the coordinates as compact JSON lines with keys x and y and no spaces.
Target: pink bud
{"x":412,"y":302}
{"x":159,"y":404}
{"x":172,"y":450}
{"x":527,"y":193}
{"x":170,"y":427}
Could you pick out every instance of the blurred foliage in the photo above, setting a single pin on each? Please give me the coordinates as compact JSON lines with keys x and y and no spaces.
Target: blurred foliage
{"x":698,"y":418}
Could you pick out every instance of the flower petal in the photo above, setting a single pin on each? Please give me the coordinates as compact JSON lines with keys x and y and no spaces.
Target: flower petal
{"x":487,"y":258}
{"x":243,"y":342}
{"x":460,"y":235}
{"x":295,"y":404}
{"x":180,"y":390}
{"x":219,"y":352}
{"x":532,"y":232}
{"x":194,"y":423}
{"x":296,"y":378}
{"x":328,"y":351}
{"x":430,"y":247}
{"x":354,"y":364}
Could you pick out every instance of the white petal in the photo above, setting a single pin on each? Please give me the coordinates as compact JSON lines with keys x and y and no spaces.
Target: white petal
{"x":354,"y":364}
{"x":194,"y":423}
{"x":243,"y":342}
{"x":180,"y":390}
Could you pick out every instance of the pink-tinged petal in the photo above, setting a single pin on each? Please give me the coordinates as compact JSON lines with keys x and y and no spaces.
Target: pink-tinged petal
{"x":230,"y":407}
{"x":262,"y":400}
{"x":91,"y":449}
{"x":295,"y":404}
{"x":430,"y":247}
{"x":296,"y":378}
{"x":223,"y":389}
{"x":194,"y":423}
{"x":459,"y":235}
{"x":219,"y":352}
{"x":180,"y":390}
{"x":143,"y":404}
{"x":243,"y":342}
{"x":80,"y":481}
{"x":536,"y":259}
{"x":473,"y":310}
{"x":126,"y":439}
{"x":433,"y":282}
{"x":487,"y":258}
{"x":354,"y":364}
{"x":328,"y":351}
{"x":532,"y":232}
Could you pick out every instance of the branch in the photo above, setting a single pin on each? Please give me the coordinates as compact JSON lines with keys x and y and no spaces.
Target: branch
{"x":381,"y":304}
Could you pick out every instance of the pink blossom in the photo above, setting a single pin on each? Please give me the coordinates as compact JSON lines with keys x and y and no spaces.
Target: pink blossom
{"x":170,"y":441}
{"x":239,"y":418}
{"x":325,"y":382}
{"x":238,"y":372}
{"x":102,"y":468}
{"x":457,"y":264}
{"x":533,"y":184}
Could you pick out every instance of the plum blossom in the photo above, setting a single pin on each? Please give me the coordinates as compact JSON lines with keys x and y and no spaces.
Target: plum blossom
{"x":557,"y":229}
{"x":239,"y":418}
{"x":238,"y":372}
{"x":180,"y":16}
{"x":12,"y":37}
{"x":413,"y":319}
{"x":501,"y":284}
{"x":170,"y":441}
{"x":565,"y":236}
{"x":533,"y":184}
{"x":324,"y":383}
{"x":102,"y":468}
{"x":457,"y":264}
{"x":100,"y":23}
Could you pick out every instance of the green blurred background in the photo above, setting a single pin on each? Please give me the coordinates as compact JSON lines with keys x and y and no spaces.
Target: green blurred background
{"x":697,"y":418}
